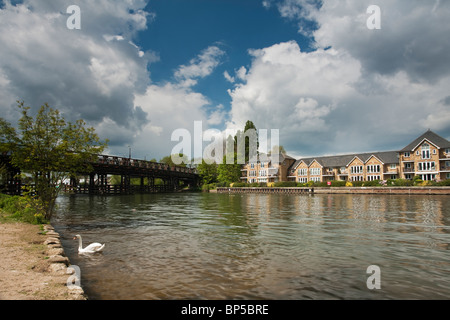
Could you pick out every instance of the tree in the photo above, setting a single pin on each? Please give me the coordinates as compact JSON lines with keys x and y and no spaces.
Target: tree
{"x":229,"y":173}
{"x":208,"y":172}
{"x":50,"y":149}
{"x":244,"y":137}
{"x":169,"y":160}
{"x":277,"y":150}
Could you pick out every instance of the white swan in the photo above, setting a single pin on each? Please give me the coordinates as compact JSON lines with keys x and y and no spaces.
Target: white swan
{"x":92,"y":248}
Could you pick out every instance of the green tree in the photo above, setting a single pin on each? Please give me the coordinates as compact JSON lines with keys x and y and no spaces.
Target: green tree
{"x":244,"y":137}
{"x":169,"y":160}
{"x":229,"y":173}
{"x":50,"y":149}
{"x":277,"y":150}
{"x":208,"y":172}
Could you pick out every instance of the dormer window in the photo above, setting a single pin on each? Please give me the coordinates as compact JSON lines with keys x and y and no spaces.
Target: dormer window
{"x":425,"y":151}
{"x":407,"y":154}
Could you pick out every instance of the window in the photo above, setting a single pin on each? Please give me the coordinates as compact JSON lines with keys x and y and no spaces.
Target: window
{"x":252,"y":166}
{"x":427,"y":166}
{"x":447,"y":163}
{"x":302,"y":180}
{"x":262,"y":164}
{"x":408,"y":176}
{"x":314,"y":172}
{"x":315,"y":179}
{"x":393,"y":166}
{"x":407,"y":154}
{"x":373,"y":168}
{"x":447,"y":151}
{"x":434,"y":151}
{"x":425,"y":151}
{"x":302,"y":172}
{"x":448,"y":175}
{"x":407,"y":165}
{"x":356,"y":169}
{"x":372,"y":178}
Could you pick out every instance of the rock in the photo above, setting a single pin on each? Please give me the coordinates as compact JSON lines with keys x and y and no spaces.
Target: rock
{"x":48,"y":227}
{"x":76,"y":292}
{"x":52,"y":241}
{"x":53,"y":234}
{"x":57,"y":268}
{"x":59,"y":259}
{"x":55,"y":246}
{"x":55,"y":252}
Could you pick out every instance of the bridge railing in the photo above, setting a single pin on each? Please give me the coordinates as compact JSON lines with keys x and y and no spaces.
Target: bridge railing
{"x":123,"y":161}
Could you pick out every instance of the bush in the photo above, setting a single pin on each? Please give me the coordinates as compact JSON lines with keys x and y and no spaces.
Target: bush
{"x":25,"y":209}
{"x":374,"y":183}
{"x":401,"y":183}
{"x":443,"y":183}
{"x":285,"y":184}
{"x":338,"y":183}
{"x":240,"y":185}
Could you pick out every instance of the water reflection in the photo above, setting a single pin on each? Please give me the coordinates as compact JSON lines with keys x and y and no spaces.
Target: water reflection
{"x":251,"y":246}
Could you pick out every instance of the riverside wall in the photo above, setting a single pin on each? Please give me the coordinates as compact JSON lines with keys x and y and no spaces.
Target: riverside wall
{"x":343,"y":190}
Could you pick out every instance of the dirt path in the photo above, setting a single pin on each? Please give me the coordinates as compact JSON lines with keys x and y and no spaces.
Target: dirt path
{"x":25,"y":272}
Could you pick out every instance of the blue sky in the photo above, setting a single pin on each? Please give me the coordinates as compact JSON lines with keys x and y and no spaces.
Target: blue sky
{"x":138,"y":70}
{"x":181,"y":29}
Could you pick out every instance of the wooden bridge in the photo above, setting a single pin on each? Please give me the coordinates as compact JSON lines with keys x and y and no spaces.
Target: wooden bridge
{"x":151,"y":177}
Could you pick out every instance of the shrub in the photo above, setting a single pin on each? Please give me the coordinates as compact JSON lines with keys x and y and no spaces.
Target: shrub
{"x":443,"y":183}
{"x":338,"y":183}
{"x":240,"y":185}
{"x":401,"y":182}
{"x":25,"y":209}
{"x":348,"y":184}
{"x":374,"y":183}
{"x":285,"y":184}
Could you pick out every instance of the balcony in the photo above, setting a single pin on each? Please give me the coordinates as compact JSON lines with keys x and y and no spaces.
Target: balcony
{"x":272,"y":172}
{"x":408,"y":170}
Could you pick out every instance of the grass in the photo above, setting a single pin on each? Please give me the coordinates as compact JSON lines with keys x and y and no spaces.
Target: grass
{"x":21,"y":209}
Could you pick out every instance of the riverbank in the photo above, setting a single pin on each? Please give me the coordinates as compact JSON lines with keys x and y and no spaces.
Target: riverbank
{"x":33,"y":265}
{"x":431,"y":190}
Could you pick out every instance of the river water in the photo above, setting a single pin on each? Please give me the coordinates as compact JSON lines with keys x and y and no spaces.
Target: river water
{"x":259,"y":246}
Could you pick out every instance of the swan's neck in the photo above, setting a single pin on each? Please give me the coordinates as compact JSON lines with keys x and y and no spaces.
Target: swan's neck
{"x":80,"y":243}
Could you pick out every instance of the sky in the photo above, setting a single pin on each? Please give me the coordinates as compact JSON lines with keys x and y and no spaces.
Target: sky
{"x":138,"y":70}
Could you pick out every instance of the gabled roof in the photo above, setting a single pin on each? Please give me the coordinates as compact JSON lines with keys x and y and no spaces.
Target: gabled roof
{"x":431,"y":137}
{"x":385,"y":157}
{"x":356,"y":156}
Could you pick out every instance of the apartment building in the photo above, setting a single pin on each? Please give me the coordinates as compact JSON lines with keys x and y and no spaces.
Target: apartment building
{"x":428,"y":156}
{"x":267,"y":168}
{"x":350,"y":167}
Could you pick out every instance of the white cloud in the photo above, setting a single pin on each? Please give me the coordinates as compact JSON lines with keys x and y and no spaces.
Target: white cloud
{"x":89,"y":73}
{"x":228,"y":77}
{"x":362,"y":89}
{"x":199,"y":67}
{"x":98,"y":73}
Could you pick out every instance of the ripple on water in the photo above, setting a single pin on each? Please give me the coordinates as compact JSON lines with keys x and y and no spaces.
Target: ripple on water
{"x":219,"y":246}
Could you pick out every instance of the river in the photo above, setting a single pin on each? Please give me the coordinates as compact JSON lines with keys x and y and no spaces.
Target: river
{"x":259,"y":246}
